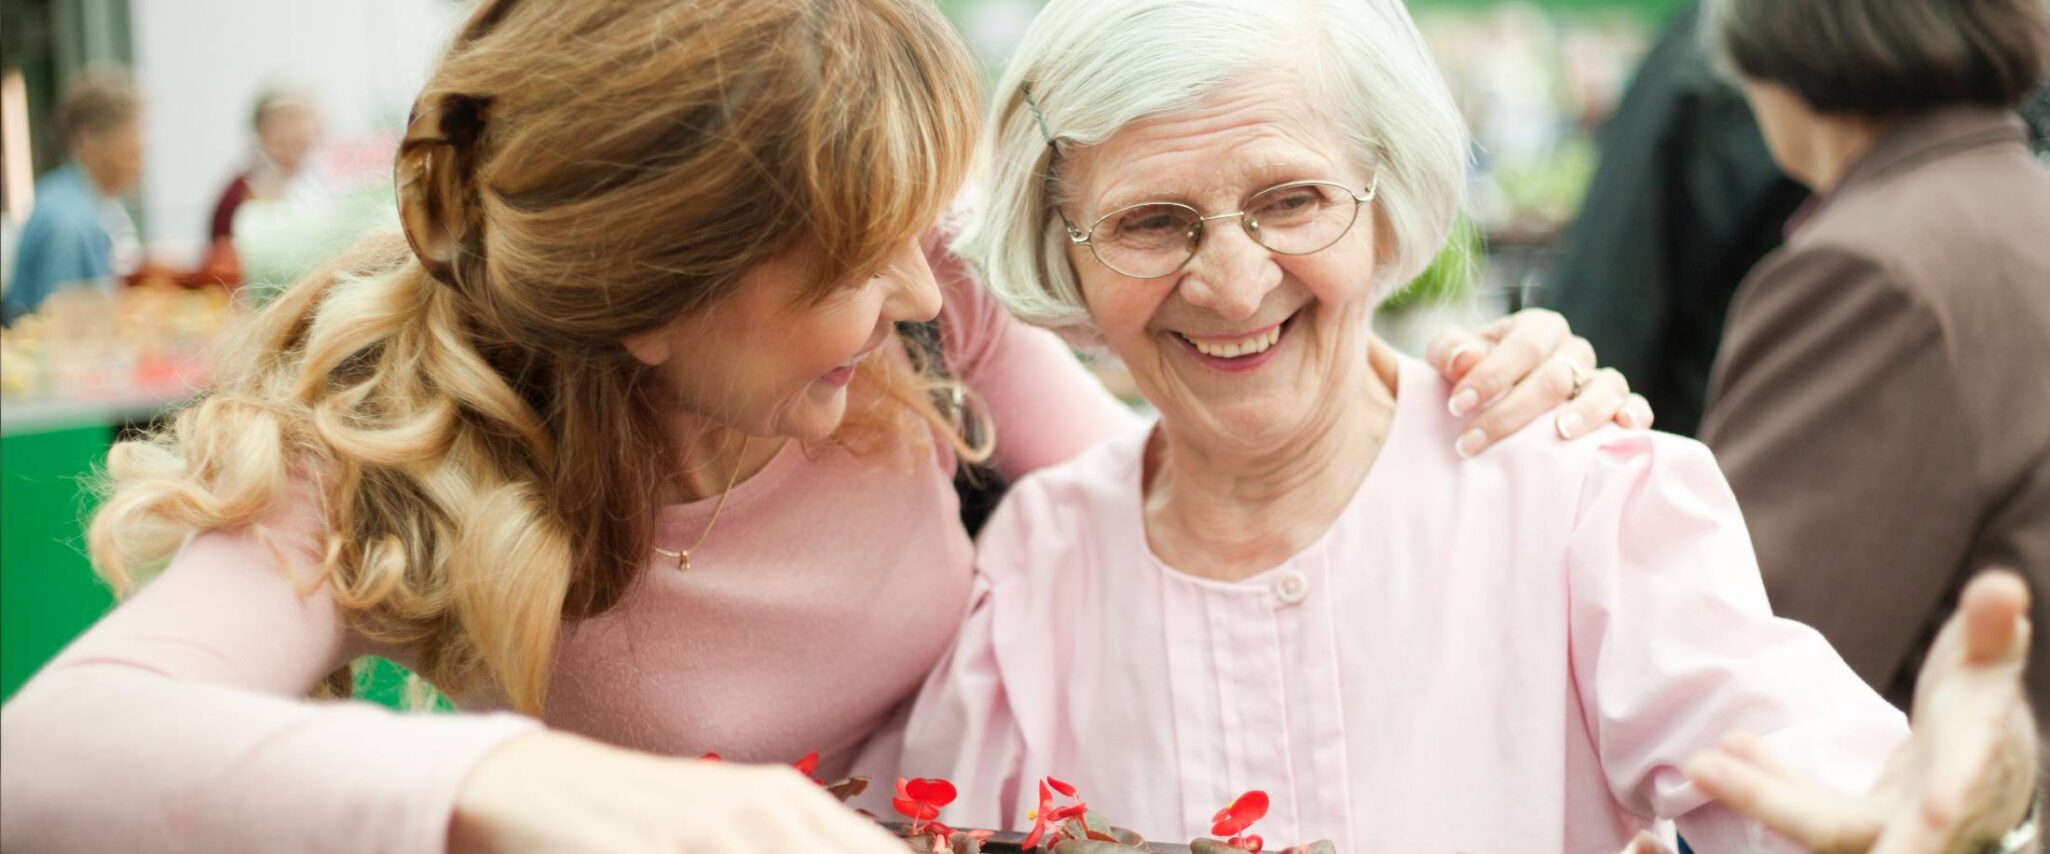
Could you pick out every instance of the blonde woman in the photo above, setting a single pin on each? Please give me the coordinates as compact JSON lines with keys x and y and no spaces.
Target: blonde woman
{"x":616,"y":447}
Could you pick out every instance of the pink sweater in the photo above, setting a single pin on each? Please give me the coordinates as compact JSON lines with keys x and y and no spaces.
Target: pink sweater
{"x":1504,"y":654}
{"x":178,"y":722}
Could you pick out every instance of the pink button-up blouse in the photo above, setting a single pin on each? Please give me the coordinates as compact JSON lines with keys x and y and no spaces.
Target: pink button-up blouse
{"x":1513,"y":653}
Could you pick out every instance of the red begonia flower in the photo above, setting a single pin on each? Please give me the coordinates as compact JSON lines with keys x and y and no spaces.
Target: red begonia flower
{"x":1049,"y":817}
{"x":920,"y":799}
{"x":1239,"y":814}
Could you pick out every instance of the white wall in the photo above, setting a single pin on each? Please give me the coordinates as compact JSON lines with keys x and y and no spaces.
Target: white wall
{"x":200,"y":64}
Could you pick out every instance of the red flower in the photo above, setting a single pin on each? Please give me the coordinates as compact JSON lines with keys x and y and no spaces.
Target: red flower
{"x":710,"y":757}
{"x":1239,"y":814}
{"x":920,"y":800}
{"x":808,"y":764}
{"x":1049,"y":817}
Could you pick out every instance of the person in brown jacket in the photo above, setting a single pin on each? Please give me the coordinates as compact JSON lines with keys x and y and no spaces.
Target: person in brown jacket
{"x":1881,"y":403}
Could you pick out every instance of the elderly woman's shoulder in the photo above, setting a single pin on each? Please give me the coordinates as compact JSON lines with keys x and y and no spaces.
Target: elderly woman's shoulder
{"x":1538,"y":452}
{"x":1097,"y":487}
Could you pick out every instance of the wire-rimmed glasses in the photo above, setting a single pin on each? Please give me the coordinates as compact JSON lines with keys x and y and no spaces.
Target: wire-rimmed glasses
{"x":1149,"y":240}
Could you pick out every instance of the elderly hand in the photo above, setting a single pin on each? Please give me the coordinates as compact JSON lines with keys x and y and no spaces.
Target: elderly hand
{"x":1518,"y":368}
{"x":1962,"y":780}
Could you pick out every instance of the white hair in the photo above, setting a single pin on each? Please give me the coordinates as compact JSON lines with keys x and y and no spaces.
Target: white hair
{"x":1093,"y":67}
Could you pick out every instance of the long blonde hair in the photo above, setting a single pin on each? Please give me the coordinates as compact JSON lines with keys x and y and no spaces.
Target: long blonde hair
{"x":484,"y":451}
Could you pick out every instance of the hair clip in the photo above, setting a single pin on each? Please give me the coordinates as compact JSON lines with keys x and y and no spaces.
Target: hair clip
{"x":1033,"y":105}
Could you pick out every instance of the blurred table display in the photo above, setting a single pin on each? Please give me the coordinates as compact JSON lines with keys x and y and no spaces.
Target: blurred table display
{"x":89,"y":355}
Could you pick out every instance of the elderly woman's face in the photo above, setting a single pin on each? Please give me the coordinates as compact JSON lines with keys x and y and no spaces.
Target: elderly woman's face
{"x":1242,"y":345}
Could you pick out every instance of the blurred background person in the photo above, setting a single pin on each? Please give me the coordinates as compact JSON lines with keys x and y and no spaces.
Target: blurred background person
{"x":1685,"y":201}
{"x":287,"y":126}
{"x":79,"y":231}
{"x":1881,"y":404}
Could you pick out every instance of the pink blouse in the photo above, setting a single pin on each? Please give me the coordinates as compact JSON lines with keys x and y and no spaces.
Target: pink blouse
{"x":1504,"y":654}
{"x":177,"y":723}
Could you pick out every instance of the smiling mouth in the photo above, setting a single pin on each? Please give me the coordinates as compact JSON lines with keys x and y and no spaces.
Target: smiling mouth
{"x":1240,"y":347}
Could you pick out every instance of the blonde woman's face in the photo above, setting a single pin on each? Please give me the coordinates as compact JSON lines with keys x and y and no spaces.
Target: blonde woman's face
{"x":768,"y":362}
{"x":1242,"y":347}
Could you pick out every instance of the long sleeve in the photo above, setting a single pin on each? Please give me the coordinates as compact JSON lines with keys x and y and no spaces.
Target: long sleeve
{"x":1673,"y":645}
{"x":1836,"y":418}
{"x":1046,"y":407}
{"x":177,"y":724}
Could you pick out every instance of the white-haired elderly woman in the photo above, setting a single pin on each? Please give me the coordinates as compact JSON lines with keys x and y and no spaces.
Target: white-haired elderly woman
{"x":1292,"y":583}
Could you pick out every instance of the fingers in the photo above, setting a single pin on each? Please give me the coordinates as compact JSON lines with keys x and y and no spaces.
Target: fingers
{"x":1746,"y":780}
{"x":1971,"y":719}
{"x":1550,"y":385}
{"x":1912,"y":831}
{"x":1454,"y":351}
{"x":1532,"y":337}
{"x":1992,"y":606}
{"x":1606,"y":397}
{"x":1636,"y":414}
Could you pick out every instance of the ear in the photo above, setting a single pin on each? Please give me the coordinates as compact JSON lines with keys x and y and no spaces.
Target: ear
{"x":653,"y":347}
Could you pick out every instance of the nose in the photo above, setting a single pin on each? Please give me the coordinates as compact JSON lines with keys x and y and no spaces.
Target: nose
{"x":914,"y":293}
{"x":1231,"y":272}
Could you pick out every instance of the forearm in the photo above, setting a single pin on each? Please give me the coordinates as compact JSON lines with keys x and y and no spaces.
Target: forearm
{"x":104,"y":755}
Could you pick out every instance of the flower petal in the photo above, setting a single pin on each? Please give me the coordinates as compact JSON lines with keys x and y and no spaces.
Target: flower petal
{"x":1061,"y":787}
{"x":1250,"y":807}
{"x":919,"y":810}
{"x":932,"y":791}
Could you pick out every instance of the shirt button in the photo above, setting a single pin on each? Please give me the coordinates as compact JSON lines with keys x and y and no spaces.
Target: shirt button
{"x":1291,"y":588}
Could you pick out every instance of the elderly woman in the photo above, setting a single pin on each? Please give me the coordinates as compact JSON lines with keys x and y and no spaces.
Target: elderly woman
{"x":1291,"y":583}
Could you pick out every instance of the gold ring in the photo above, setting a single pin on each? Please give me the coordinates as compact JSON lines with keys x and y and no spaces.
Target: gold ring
{"x":1579,"y":379}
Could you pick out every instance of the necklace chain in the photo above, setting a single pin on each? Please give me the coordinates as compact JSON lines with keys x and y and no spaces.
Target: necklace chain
{"x":683,"y":557}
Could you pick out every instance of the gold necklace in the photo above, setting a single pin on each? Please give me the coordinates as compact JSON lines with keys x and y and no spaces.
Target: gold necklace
{"x":683,"y":557}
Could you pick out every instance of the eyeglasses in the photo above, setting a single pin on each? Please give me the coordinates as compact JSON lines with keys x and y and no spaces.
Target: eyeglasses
{"x":1154,"y":239}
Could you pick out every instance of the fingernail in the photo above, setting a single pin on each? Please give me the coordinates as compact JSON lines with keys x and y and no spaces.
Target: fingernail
{"x":1470,"y":443}
{"x":1627,"y":418}
{"x":1569,"y":425}
{"x":1464,"y":402}
{"x":1452,"y":360}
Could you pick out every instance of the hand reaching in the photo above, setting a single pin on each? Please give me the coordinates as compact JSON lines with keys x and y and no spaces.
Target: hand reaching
{"x":1963,"y":779}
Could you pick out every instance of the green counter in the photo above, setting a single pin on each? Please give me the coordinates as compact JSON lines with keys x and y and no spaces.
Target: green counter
{"x":48,"y":593}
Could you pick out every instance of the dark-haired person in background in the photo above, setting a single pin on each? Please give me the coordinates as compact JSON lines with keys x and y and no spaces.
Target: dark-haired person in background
{"x":1881,"y":404}
{"x":1686,"y":200}
{"x":78,"y":232}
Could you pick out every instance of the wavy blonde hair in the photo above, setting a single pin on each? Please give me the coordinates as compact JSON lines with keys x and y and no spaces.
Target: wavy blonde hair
{"x":483,"y":451}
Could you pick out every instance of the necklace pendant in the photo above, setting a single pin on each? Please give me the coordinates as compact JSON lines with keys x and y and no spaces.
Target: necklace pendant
{"x":683,"y":562}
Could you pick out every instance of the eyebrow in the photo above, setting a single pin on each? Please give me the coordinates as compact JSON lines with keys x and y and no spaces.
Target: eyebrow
{"x":1265,"y":174}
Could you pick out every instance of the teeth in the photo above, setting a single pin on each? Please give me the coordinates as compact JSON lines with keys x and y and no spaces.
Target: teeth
{"x":1242,"y":347}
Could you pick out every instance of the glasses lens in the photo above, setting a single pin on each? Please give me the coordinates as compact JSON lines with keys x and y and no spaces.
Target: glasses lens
{"x":1297,"y":219}
{"x":1147,"y":240}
